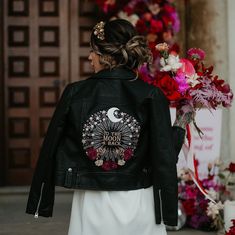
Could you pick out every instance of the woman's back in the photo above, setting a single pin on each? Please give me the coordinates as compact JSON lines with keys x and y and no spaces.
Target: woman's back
{"x":111,"y":140}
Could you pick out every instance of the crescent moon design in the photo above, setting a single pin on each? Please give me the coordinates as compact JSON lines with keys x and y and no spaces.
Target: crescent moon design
{"x":110,"y":114}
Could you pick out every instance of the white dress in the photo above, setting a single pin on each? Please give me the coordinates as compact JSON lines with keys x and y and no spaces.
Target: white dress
{"x":114,"y":213}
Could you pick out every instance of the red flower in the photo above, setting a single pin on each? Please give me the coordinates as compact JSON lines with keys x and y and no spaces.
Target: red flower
{"x":152,"y":46}
{"x":141,"y":27}
{"x":169,"y":87}
{"x":169,"y":9}
{"x":189,"y":206}
{"x":109,"y":165}
{"x":231,"y":167}
{"x":156,"y":26}
{"x":140,"y":8}
{"x":128,"y":10}
{"x":174,"y":49}
{"x":168,"y":21}
{"x":91,"y":153}
{"x":128,"y":154}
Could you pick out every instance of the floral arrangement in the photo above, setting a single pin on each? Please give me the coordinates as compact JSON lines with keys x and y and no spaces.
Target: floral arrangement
{"x":202,"y":213}
{"x":187,"y":81}
{"x":158,"y":20}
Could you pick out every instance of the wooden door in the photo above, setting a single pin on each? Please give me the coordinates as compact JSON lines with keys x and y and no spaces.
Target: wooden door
{"x":36,"y":69}
{"x":46,"y":44}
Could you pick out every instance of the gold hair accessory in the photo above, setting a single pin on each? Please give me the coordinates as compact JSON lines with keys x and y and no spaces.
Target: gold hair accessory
{"x":99,"y":30}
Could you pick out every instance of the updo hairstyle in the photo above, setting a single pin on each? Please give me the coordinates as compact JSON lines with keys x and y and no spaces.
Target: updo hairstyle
{"x":121,"y":45}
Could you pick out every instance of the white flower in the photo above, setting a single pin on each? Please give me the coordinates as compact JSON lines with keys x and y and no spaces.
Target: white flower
{"x":184,"y":174}
{"x":154,"y":8}
{"x":131,"y":18}
{"x":192,"y":80}
{"x":99,"y":162}
{"x":212,"y":193}
{"x":172,"y":63}
{"x":213,"y":209}
{"x":121,"y":162}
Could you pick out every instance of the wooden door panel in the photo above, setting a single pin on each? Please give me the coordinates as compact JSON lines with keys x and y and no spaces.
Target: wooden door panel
{"x":36,"y":70}
{"x":82,"y":19}
{"x":46,"y":45}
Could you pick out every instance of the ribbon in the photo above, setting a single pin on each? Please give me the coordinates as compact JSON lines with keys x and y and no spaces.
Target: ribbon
{"x":191,"y":161}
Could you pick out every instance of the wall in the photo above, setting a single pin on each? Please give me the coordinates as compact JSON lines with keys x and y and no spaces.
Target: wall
{"x":207,"y":27}
{"x":231,"y":73}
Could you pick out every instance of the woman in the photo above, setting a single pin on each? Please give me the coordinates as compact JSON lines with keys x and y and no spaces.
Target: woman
{"x":111,"y":139}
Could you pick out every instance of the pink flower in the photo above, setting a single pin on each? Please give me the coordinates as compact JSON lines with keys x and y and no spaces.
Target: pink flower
{"x":186,"y":68}
{"x":147,"y":16}
{"x":196,"y":53}
{"x":176,"y":25}
{"x":162,"y":47}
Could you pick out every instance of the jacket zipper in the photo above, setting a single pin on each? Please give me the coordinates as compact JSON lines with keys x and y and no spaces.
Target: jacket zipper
{"x":160,"y":199}
{"x":39,"y":201}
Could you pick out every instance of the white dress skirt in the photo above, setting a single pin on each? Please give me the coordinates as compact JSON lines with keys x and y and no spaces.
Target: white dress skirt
{"x":114,"y":213}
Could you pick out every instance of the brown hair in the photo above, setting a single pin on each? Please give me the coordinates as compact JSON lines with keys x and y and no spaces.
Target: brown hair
{"x":121,"y":45}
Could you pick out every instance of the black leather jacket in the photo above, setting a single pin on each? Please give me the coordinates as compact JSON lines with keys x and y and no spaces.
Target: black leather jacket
{"x":110,"y":132}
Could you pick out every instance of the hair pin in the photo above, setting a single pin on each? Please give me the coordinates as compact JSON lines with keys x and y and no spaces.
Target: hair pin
{"x":99,"y":30}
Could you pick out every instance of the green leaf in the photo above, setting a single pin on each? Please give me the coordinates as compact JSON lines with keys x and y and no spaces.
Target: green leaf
{"x":221,"y":176}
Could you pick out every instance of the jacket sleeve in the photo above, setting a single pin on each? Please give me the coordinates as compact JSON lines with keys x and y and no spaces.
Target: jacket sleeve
{"x":42,"y":190}
{"x":163,"y":150}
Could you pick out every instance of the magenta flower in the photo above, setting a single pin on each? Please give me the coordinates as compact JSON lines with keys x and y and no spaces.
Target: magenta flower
{"x":196,"y":53}
{"x":181,"y":80}
{"x":176,"y":25}
{"x":109,"y":165}
{"x":128,"y":154}
{"x":91,"y":153}
{"x":190,"y":192}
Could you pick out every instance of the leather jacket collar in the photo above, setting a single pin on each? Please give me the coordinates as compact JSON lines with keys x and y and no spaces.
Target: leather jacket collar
{"x":116,"y":73}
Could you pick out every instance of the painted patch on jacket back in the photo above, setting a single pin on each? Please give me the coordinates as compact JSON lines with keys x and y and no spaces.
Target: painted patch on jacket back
{"x":110,"y":138}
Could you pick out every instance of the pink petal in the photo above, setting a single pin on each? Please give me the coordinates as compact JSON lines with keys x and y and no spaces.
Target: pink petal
{"x":186,"y":68}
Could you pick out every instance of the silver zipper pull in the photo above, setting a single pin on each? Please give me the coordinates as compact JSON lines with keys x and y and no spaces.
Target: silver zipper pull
{"x":39,"y":201}
{"x":160,"y":199}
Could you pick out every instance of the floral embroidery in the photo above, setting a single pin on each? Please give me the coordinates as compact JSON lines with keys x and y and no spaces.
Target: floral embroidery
{"x":110,"y":138}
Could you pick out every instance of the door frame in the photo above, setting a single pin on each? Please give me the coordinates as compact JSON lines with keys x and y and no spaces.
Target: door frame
{"x":2,"y":111}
